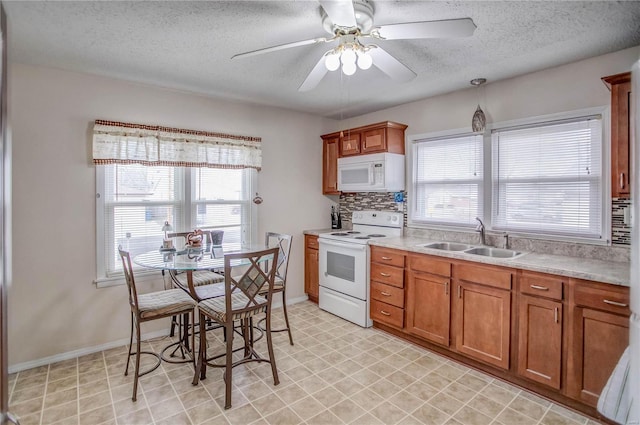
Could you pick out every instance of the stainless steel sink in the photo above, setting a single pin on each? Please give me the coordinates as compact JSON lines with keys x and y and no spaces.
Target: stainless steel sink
{"x":447,"y":246}
{"x":493,"y":252}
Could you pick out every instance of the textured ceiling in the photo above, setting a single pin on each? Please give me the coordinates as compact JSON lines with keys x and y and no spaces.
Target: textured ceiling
{"x":188,"y":46}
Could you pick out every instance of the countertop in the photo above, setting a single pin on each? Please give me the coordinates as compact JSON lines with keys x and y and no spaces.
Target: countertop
{"x":615,"y":273}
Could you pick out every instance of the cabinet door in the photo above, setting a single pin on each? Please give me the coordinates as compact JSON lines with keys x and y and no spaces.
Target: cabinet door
{"x":483,"y":323}
{"x":598,"y":340}
{"x":620,"y":137}
{"x":311,"y":281}
{"x":350,"y":144}
{"x":330,"y":166}
{"x":428,"y":307}
{"x":374,"y":141}
{"x":540,"y":340}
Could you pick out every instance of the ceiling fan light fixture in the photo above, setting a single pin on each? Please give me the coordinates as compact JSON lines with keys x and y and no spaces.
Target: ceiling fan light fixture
{"x":348,"y":56}
{"x":332,"y":61}
{"x":364,"y":60}
{"x":349,"y":68}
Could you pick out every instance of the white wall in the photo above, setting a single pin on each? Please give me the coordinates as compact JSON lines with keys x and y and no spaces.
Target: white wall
{"x":54,"y":307}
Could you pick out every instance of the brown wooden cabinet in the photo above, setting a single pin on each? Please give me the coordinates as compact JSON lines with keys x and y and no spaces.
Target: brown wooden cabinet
{"x":598,"y":335}
{"x":429,"y":299}
{"x":387,"y":286}
{"x":311,"y":278}
{"x":483,"y":313}
{"x":350,"y":143}
{"x":620,"y":86}
{"x":540,"y":333}
{"x":330,"y":166}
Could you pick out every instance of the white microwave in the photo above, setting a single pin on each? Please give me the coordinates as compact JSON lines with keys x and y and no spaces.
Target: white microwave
{"x":376,"y":172}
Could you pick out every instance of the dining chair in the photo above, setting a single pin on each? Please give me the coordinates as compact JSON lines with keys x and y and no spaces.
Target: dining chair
{"x":201,"y":278}
{"x":283,"y":243}
{"x":147,"y":307}
{"x":241,"y":301}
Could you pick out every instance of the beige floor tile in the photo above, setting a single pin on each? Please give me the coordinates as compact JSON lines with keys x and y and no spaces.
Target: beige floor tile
{"x":427,"y":414}
{"x":528,"y":408}
{"x":291,"y":393}
{"x":347,"y":410}
{"x":406,"y":401}
{"x":459,"y":392}
{"x":307,"y":408}
{"x":510,"y":416}
{"x":30,"y":381}
{"x":284,"y":416}
{"x":366,"y":419}
{"x":62,"y":384}
{"x":63,"y":372}
{"x":410,"y":420}
{"x":485,"y":405}
{"x":33,"y":419}
{"x":59,"y":412}
{"x":237,"y":400}
{"x":204,"y":412}
{"x":193,"y":398}
{"x":401,"y":379}
{"x":332,"y":374}
{"x":469,"y":416}
{"x":446,"y":403}
{"x":329,"y":396}
{"x":367,"y":398}
{"x":422,"y":390}
{"x":60,"y":397}
{"x":365,"y":377}
{"x":268,"y":404}
{"x":26,"y":394}
{"x":255,"y":390}
{"x":156,"y":395}
{"x":27,"y":407}
{"x":385,"y":388}
{"x":553,"y":418}
{"x":165,"y":408}
{"x":437,"y":381}
{"x":94,"y":401}
{"x":471,"y":381}
{"x":71,"y":420}
{"x":140,"y":417}
{"x":325,"y":418}
{"x":499,"y":394}
{"x":242,"y":415}
{"x":179,"y":419}
{"x":568,"y":413}
{"x":349,"y":386}
{"x":388,"y":413}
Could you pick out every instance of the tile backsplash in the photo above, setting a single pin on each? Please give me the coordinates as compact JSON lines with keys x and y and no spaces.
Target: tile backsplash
{"x":384,"y":201}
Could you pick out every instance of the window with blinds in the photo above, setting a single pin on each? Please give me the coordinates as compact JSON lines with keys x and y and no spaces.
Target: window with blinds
{"x":448,"y":180}
{"x":547,"y":178}
{"x":135,"y":201}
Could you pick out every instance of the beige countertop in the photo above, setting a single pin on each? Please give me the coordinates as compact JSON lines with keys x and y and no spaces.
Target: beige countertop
{"x":581,"y":268}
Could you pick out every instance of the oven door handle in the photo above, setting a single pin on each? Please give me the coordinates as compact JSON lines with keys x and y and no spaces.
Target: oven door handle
{"x":351,"y":246}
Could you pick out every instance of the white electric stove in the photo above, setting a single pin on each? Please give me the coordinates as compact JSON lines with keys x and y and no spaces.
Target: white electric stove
{"x":344,"y":263}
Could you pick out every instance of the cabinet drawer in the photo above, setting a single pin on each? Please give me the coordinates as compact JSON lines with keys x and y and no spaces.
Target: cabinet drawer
{"x":387,"y":256}
{"x":390,"y":275}
{"x":424,"y":263}
{"x":385,"y":313}
{"x":387,"y":294}
{"x":490,"y":276}
{"x":312,"y":242}
{"x":599,"y":297}
{"x":541,"y":285}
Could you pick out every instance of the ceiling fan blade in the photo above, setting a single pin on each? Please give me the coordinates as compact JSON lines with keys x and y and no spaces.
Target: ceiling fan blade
{"x":448,"y":28}
{"x":279,"y":47}
{"x":391,"y":66}
{"x":317,"y":73}
{"x":340,"y":12}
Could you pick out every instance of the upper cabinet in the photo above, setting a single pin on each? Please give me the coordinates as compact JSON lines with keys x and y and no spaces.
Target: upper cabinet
{"x":620,"y":86}
{"x":384,"y":136}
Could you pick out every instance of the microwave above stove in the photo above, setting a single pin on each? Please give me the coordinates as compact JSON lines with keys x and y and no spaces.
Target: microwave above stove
{"x":376,"y":172}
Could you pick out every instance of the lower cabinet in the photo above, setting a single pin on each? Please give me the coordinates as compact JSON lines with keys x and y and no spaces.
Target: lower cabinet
{"x":387,"y":287}
{"x":598,"y":335}
{"x":429,"y":302}
{"x":311,"y":277}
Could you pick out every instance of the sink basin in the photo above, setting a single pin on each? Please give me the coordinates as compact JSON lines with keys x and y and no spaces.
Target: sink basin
{"x":447,"y":246}
{"x":493,"y":252}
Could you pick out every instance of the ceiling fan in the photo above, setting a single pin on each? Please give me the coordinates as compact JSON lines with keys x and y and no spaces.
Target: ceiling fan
{"x":351,"y":21}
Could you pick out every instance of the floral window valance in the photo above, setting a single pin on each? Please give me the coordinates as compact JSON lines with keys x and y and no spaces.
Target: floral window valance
{"x":125,"y":143}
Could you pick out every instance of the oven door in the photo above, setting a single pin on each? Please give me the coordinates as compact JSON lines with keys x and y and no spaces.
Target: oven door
{"x":343,"y":267}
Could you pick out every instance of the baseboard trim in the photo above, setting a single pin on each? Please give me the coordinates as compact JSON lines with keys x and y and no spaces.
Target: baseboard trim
{"x":119,"y":343}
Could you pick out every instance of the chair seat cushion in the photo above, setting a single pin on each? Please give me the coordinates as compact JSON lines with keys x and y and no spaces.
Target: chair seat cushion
{"x":200,"y":277}
{"x":164,"y":303}
{"x":216,"y":308}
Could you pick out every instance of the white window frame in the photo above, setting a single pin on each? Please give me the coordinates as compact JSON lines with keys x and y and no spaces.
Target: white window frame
{"x":189,"y":212}
{"x":412,"y":221}
{"x":604,"y":111}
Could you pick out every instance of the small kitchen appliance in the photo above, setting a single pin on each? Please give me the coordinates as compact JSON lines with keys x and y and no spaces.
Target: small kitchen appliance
{"x":343,"y":264}
{"x":375,"y":172}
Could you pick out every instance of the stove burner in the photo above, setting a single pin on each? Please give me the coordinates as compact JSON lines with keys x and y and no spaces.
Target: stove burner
{"x":340,"y":234}
{"x":352,"y":232}
{"x":362,"y":237}
{"x":376,"y":235}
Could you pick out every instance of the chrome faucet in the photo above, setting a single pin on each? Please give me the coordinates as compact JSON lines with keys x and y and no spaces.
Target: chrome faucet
{"x":480,"y":228}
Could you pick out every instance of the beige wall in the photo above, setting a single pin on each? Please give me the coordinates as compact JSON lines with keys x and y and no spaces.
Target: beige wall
{"x":564,"y":88}
{"x":54,"y":307}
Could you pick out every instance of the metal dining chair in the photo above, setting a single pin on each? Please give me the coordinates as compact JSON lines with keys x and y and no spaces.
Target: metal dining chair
{"x":283,"y":243}
{"x":241,"y":302}
{"x":147,"y":307}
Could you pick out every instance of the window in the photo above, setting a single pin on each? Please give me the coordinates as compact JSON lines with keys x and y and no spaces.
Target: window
{"x":135,"y":200}
{"x":547,"y":178}
{"x":447,"y":180}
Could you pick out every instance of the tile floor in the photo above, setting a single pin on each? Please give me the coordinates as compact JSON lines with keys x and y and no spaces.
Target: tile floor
{"x":336,"y":373}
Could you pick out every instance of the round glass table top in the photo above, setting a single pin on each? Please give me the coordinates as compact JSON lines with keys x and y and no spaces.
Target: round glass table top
{"x":202,"y":258}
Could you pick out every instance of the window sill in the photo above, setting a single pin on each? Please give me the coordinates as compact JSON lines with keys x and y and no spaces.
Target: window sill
{"x":105,"y":282}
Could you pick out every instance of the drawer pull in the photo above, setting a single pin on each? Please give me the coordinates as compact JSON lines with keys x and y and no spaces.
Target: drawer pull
{"x":385,"y":274}
{"x":386,"y":258}
{"x":538,"y":287}
{"x":617,"y":304}
{"x":621,"y":180}
{"x":555,"y":314}
{"x":385,"y":313}
{"x":386,"y":294}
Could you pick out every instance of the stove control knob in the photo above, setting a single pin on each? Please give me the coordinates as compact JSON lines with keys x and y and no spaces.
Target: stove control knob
{"x":395,"y":218}
{"x":388,"y":218}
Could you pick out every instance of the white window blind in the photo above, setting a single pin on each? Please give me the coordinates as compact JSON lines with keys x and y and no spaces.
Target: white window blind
{"x":135,"y":200}
{"x":547,"y":178}
{"x":447,"y":180}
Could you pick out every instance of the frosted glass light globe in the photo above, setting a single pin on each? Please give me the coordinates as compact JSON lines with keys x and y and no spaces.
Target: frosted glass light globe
{"x":348,"y":57}
{"x":349,"y":68}
{"x":365,"y":61}
{"x":332,"y":61}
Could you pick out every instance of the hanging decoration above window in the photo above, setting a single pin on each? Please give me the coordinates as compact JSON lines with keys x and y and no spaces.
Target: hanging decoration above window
{"x":479,"y":121}
{"x":126,"y":143}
